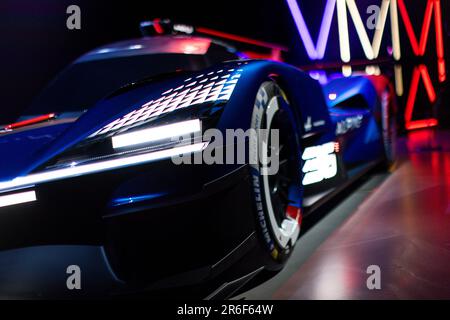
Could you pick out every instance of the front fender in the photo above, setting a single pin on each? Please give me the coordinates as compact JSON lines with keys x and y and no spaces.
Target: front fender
{"x":304,"y":94}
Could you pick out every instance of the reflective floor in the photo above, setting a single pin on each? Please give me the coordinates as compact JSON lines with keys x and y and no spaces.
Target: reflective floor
{"x":399,"y":222}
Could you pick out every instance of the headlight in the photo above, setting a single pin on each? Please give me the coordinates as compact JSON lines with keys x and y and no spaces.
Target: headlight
{"x":200,"y":96}
{"x":133,"y":148}
{"x":161,"y":134}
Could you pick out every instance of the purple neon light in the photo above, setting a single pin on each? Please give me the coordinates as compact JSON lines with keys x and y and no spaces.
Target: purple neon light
{"x":314,"y":53}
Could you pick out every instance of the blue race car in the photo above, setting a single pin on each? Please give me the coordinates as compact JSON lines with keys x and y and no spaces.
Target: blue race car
{"x":98,"y":196}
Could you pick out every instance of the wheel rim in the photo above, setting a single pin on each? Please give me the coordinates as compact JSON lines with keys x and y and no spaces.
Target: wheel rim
{"x":283,"y":189}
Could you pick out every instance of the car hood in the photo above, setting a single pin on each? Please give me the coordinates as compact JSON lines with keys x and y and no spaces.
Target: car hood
{"x":19,"y":149}
{"x":26,"y":149}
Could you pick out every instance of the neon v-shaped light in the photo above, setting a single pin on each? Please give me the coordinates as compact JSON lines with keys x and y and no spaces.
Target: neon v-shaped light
{"x":419,"y":48}
{"x":419,"y":72}
{"x":314,"y":52}
{"x":371,"y":50}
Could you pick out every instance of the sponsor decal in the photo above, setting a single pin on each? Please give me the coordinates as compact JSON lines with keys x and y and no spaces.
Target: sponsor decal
{"x":260,"y":211}
{"x":309,"y":124}
{"x":349,"y":124}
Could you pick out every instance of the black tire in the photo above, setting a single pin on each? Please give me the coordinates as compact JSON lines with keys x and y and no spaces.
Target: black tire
{"x":276,"y":193}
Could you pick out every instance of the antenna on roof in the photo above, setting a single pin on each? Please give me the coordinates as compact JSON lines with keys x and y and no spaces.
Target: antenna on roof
{"x":157,"y":27}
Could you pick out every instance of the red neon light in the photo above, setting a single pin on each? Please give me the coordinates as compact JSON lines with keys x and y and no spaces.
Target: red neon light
{"x":408,"y":27}
{"x":426,"y":27}
{"x":428,"y":84}
{"x":419,"y":72}
{"x":419,"y":124}
{"x":30,"y":121}
{"x":237,"y":38}
{"x":438,"y":27}
{"x":412,"y":95}
{"x":441,"y":70}
{"x":419,"y":49}
{"x":439,"y":41}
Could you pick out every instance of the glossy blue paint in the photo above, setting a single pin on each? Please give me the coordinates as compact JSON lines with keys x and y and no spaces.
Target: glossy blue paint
{"x":210,"y":201}
{"x":30,"y":148}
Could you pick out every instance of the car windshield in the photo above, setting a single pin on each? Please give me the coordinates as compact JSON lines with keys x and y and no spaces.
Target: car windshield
{"x":83,"y":84}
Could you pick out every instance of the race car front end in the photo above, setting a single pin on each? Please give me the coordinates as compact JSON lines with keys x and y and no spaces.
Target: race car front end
{"x":116,"y":201}
{"x":128,"y":230}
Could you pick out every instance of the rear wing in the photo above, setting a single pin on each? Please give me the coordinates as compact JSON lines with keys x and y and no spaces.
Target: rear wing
{"x":252,"y":48}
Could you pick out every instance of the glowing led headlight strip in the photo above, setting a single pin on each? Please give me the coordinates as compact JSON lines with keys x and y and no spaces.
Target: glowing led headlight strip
{"x":155,"y":134}
{"x":17,"y":198}
{"x":100,"y":166}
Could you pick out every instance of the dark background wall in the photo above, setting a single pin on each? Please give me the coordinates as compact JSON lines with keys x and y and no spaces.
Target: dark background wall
{"x":35,"y":43}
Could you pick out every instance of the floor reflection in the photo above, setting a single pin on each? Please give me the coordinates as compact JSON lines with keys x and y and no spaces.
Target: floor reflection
{"x":402,"y":226}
